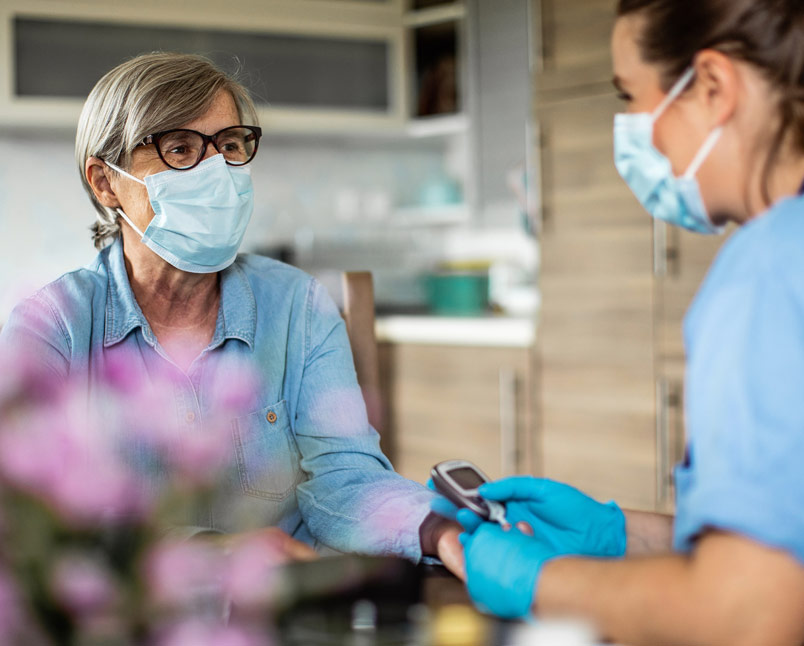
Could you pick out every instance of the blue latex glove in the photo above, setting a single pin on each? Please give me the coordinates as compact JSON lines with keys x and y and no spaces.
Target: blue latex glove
{"x":569,"y":521}
{"x":441,"y":505}
{"x":566,"y":519}
{"x":502,"y":568}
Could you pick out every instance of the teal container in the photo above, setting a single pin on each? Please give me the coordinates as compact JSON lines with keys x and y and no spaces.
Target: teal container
{"x":458,"y":293}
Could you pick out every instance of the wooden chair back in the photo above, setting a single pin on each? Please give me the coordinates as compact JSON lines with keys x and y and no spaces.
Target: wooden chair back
{"x":358,"y":313}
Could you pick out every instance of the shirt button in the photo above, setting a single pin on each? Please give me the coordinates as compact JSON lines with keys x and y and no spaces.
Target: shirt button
{"x":271,"y":416}
{"x":190,"y":417}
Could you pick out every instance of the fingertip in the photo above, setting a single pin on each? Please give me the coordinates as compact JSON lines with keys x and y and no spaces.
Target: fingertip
{"x":443,"y":507}
{"x":468,"y":519}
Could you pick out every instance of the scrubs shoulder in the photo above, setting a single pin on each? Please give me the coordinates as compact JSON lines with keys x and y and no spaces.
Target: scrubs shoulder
{"x":305,"y":457}
{"x":744,"y":337}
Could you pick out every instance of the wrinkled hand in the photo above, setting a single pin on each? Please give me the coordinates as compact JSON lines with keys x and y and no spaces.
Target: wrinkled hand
{"x":450,"y":551}
{"x":502,"y":569}
{"x":277,"y":546}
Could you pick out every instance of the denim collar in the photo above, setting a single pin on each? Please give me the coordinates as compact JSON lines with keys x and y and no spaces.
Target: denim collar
{"x":237,"y":315}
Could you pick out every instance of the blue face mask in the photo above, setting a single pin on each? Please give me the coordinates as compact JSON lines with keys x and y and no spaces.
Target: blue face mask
{"x":200,"y":215}
{"x":649,"y":174}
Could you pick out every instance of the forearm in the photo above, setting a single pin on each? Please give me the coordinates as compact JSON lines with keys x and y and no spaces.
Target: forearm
{"x":731,"y":591}
{"x":648,"y":533}
{"x":633,"y":601}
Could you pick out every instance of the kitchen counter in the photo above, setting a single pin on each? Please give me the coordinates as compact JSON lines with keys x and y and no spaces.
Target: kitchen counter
{"x":481,"y":331}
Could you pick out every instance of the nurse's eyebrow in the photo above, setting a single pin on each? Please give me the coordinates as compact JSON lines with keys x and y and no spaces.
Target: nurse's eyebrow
{"x":617,"y":83}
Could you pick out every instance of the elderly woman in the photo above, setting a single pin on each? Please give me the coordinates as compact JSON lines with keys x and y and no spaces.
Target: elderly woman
{"x":163,"y":147}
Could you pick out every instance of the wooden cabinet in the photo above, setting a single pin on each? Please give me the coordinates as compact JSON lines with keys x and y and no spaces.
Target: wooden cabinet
{"x":466,"y":402}
{"x":615,"y":284}
{"x":681,"y":260}
{"x":333,"y":66}
{"x":596,"y":407}
{"x":573,"y":50}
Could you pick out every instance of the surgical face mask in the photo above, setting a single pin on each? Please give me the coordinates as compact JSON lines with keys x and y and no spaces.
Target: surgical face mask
{"x":649,"y":174}
{"x":200,"y":215}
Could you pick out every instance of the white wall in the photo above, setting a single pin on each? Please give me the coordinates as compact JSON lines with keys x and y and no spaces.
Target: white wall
{"x":44,"y":215}
{"x":300,"y":186}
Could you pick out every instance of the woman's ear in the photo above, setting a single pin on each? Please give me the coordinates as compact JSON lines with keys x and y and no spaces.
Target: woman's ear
{"x":718,"y":85}
{"x":97,"y":174}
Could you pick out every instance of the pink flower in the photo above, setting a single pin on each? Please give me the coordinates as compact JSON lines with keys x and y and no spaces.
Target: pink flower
{"x":9,"y":609}
{"x":236,"y":392}
{"x":195,"y":632}
{"x":84,"y":586}
{"x":250,"y":575}
{"x":61,"y":457}
{"x":201,"y":456}
{"x":181,"y":572}
{"x":194,"y":452}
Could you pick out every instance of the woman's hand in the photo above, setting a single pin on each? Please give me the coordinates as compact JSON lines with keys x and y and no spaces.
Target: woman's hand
{"x":450,"y":550}
{"x":276,"y":545}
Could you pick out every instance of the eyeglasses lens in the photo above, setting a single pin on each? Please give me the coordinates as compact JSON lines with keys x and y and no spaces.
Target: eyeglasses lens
{"x":237,"y":145}
{"x":183,"y":148}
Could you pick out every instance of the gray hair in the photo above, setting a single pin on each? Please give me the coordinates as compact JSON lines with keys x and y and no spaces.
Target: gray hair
{"x":147,"y":94}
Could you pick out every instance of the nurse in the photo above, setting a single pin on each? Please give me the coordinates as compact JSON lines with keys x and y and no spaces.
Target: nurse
{"x":713,"y":132}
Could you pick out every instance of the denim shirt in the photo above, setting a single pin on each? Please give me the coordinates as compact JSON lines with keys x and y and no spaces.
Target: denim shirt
{"x":307,"y":459}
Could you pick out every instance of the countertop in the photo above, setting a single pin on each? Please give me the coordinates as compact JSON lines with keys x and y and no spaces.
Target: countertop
{"x":480,"y":331}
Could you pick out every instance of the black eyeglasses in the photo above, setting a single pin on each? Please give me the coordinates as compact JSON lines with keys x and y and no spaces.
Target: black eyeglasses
{"x":183,"y":149}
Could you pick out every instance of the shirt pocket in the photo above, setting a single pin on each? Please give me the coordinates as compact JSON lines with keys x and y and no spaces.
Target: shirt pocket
{"x":267,"y":457}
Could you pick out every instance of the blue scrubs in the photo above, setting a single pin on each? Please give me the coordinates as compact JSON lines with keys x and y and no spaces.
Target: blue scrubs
{"x":744,"y":336}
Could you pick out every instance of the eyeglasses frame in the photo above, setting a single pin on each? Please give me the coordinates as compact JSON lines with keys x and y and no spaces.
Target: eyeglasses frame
{"x":154,"y":138}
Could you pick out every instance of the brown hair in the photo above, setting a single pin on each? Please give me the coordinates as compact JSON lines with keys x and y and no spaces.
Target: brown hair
{"x":146,"y":94}
{"x":768,"y":34}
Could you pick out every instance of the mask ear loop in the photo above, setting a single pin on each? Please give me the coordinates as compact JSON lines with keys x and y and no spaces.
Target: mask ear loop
{"x":674,"y":92}
{"x":118,"y":209}
{"x":703,"y":153}
{"x":130,"y":223}
{"x":120,"y":170}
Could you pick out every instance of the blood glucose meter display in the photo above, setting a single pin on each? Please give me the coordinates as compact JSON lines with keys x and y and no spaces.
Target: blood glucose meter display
{"x":458,"y":480}
{"x":467,"y":478}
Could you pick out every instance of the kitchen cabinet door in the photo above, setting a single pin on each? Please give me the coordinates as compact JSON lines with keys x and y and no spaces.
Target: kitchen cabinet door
{"x":447,"y":402}
{"x":309,"y":66}
{"x":596,"y":408}
{"x":681,"y":262}
{"x":574,"y":48}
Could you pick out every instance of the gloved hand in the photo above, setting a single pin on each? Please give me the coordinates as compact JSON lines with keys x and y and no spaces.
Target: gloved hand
{"x":502,"y":568}
{"x":441,"y":505}
{"x":566,"y":519}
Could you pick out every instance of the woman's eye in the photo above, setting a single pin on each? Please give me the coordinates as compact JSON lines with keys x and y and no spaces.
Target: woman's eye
{"x":624,"y":96}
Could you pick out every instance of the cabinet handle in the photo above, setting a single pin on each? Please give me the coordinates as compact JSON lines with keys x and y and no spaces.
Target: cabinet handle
{"x":659,"y":255}
{"x":509,"y":450}
{"x":668,"y":398}
{"x":546,"y":44}
{"x":544,"y":178}
{"x":666,"y":253}
{"x":662,"y":442}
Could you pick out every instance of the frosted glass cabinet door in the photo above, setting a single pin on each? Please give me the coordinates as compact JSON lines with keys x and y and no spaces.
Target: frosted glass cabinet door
{"x":65,"y":58}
